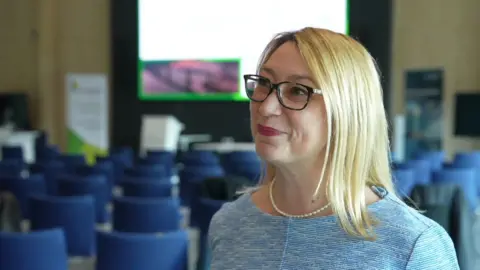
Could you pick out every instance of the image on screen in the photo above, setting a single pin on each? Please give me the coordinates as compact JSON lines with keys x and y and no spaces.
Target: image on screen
{"x":199,"y":50}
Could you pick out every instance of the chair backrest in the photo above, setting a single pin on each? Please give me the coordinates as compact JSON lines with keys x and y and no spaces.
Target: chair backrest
{"x":51,"y":170}
{"x":436,"y":158}
{"x":190,"y":177}
{"x":126,"y":251}
{"x":146,"y":215}
{"x":207,"y":208}
{"x":404,"y":180}
{"x":147,"y":188}
{"x":222,"y":188}
{"x":94,"y":185}
{"x":24,"y":188}
{"x":122,"y":156}
{"x":118,"y":167}
{"x":104,"y":167}
{"x":160,"y":154}
{"x":467,"y":159}
{"x":75,"y":215}
{"x":199,"y":173}
{"x":71,"y":161}
{"x":160,"y":157}
{"x":35,"y":250}
{"x":13,"y":168}
{"x":46,"y":153}
{"x":422,"y":170}
{"x":12,"y":153}
{"x":252,"y":170}
{"x":147,"y":170}
{"x":465,"y":178}
{"x":198,"y":158}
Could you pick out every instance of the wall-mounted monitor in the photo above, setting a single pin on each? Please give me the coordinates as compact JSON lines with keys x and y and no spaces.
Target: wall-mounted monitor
{"x":467,"y":114}
{"x":199,"y":50}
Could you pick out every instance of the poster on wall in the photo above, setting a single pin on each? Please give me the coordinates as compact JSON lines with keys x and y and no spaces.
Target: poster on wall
{"x":424,"y":110}
{"x":87,"y":115}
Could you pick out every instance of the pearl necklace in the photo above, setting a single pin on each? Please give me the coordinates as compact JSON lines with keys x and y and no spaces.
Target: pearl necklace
{"x":293,"y":216}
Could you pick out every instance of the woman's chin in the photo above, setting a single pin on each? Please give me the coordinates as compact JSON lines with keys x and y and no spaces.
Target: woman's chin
{"x":267,"y":152}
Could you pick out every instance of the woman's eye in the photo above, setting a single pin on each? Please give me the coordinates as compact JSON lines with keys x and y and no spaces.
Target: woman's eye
{"x":299,"y":91}
{"x":263,"y":82}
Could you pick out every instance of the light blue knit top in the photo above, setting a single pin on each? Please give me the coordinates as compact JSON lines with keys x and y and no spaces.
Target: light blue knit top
{"x":243,"y":237}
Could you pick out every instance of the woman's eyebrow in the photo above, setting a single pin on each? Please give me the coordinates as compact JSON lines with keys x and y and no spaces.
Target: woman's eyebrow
{"x":293,"y":77}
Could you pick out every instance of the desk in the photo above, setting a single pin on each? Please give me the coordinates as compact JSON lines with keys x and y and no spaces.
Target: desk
{"x":25,"y":139}
{"x":224,"y":147}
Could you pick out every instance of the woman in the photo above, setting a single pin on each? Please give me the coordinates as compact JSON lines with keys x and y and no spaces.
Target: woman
{"x":326,"y":200}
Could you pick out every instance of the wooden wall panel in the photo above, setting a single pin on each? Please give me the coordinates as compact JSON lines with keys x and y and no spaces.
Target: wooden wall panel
{"x":438,"y":33}
{"x":40,"y":42}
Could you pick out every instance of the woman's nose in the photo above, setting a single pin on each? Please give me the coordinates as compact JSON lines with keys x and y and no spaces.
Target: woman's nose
{"x":270,"y":106}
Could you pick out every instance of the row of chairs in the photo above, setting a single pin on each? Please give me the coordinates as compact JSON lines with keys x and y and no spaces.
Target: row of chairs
{"x":76,"y":216}
{"x":68,"y":177}
{"x":431,"y":168}
{"x":46,"y":249}
{"x":95,"y":185}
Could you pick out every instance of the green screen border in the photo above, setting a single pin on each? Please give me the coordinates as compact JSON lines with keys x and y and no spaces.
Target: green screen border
{"x":347,"y":26}
{"x":192,"y":96}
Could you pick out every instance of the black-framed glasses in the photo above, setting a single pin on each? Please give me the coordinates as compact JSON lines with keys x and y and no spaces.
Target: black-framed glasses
{"x":293,"y":96}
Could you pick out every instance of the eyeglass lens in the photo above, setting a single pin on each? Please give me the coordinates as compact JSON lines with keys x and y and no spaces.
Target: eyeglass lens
{"x":291,"y":95}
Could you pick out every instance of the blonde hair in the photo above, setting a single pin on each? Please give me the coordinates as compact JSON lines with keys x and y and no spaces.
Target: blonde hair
{"x":358,"y":145}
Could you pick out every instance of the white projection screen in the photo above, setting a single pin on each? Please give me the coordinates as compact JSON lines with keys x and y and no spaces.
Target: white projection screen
{"x":194,"y":50}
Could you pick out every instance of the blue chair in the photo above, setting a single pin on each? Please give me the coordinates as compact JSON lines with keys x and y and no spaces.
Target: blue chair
{"x":24,"y":188}
{"x":127,"y":251}
{"x":12,"y":153}
{"x":160,"y":154}
{"x":469,"y":160}
{"x":41,"y":140}
{"x":251,"y":170}
{"x":103,"y":168}
{"x":191,"y":176}
{"x":11,"y":168}
{"x":51,"y":170}
{"x":123,"y":155}
{"x":117,"y":165}
{"x":147,"y":170}
{"x":72,"y":161}
{"x":199,"y":158}
{"x":33,"y":251}
{"x":404,"y":180}
{"x":160,"y":157}
{"x":47,"y":153}
{"x":241,"y":157}
{"x":422,"y":170}
{"x":206,"y":209}
{"x":436,"y":158}
{"x":167,"y":164}
{"x":127,"y":178}
{"x":147,"y":189}
{"x":75,"y":215}
{"x":94,"y":185}
{"x":146,"y":215}
{"x":465,"y":178}
{"x":106,"y":167}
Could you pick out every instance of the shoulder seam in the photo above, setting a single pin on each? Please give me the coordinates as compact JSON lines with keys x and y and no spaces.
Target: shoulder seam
{"x":397,"y":201}
{"x":415,"y":244}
